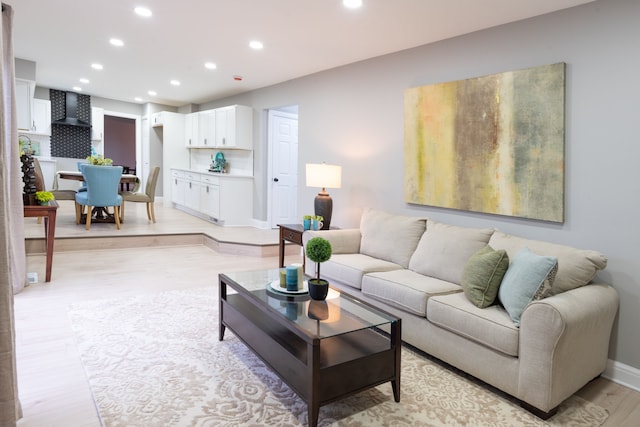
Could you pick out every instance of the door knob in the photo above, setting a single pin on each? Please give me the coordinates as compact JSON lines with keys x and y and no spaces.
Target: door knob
{"x":275,"y":180}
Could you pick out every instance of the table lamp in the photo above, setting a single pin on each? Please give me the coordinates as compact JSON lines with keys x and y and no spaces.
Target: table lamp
{"x":324,"y":176}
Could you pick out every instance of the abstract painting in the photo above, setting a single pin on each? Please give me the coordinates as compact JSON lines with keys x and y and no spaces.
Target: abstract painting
{"x":491,"y":144}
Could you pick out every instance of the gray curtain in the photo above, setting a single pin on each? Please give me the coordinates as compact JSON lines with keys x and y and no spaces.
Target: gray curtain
{"x":12,"y":249}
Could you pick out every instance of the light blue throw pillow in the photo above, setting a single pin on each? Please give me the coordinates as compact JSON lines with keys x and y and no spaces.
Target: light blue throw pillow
{"x":528,"y":278}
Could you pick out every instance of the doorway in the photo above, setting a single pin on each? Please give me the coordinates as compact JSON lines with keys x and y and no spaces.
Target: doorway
{"x":120,"y":141}
{"x":282,"y":128}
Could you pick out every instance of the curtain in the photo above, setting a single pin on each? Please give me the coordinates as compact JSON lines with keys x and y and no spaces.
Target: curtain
{"x":12,"y":248}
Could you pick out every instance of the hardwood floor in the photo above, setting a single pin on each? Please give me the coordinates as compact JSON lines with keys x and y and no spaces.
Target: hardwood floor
{"x":51,"y":380}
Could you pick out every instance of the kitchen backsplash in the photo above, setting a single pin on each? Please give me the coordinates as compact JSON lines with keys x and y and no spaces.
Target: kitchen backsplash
{"x":240,"y":161}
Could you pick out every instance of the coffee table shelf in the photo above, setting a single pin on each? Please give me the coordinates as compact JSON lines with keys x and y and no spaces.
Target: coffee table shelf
{"x":321,"y":362}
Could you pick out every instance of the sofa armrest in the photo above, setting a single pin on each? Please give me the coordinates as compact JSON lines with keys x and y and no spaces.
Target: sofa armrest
{"x":564,"y":343}
{"x":345,"y":241}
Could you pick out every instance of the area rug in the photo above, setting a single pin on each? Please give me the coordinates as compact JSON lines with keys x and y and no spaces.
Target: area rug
{"x":155,"y":360}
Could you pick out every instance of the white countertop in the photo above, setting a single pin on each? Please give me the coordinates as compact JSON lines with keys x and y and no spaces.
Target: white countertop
{"x":205,"y":172}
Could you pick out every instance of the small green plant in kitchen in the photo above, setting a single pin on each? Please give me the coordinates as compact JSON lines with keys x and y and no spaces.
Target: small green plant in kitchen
{"x":99,"y":160}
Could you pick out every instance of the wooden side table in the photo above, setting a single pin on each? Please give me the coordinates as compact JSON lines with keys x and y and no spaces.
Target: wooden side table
{"x":290,"y":233}
{"x":48,"y":212}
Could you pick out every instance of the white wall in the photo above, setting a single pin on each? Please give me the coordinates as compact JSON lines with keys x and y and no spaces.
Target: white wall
{"x":353,"y":116}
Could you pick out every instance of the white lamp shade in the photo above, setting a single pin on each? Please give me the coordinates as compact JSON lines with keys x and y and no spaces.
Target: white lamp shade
{"x":324,"y":175}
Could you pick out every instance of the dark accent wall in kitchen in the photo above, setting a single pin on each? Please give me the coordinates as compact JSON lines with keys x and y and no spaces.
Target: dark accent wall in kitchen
{"x":70,"y":141}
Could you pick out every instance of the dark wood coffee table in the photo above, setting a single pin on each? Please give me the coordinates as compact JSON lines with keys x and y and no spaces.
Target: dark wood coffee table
{"x":324,"y":351}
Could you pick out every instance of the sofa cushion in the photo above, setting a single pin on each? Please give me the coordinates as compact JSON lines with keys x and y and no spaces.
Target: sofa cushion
{"x":350,"y":268}
{"x":528,"y":278}
{"x":444,"y":250}
{"x":576,"y":267}
{"x":483,"y":274}
{"x":489,"y":326}
{"x":390,"y":237}
{"x":405,"y":289}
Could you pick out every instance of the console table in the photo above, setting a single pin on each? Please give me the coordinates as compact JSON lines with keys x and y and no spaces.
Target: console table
{"x":48,"y":212}
{"x":290,"y":233}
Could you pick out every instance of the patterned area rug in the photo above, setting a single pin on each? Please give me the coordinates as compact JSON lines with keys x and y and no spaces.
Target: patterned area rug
{"x":155,"y":360}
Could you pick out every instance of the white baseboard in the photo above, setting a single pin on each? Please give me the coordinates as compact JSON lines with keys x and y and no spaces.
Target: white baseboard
{"x":622,"y":374}
{"x":256,"y":223}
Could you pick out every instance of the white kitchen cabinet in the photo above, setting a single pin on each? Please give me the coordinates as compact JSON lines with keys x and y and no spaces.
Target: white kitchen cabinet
{"x":210,"y":196}
{"x":191,"y":130}
{"x":178,"y":185}
{"x":236,"y":200}
{"x":192,"y":191}
{"x":221,"y":198}
{"x":234,"y":127}
{"x":42,"y":116}
{"x":206,"y":129}
{"x":156,"y":119}
{"x":24,"y":103}
{"x":97,"y":124}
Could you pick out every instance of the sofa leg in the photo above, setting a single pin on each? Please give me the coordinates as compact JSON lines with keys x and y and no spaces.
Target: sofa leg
{"x":538,"y":412}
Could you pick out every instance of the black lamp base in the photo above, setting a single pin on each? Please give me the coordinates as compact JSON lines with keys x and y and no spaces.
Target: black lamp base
{"x":323,"y":206}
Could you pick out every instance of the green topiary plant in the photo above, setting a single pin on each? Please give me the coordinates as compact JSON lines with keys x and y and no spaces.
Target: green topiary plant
{"x":318,"y":250}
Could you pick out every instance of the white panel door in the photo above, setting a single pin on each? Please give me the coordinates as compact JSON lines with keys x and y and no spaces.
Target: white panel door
{"x":283,"y":135}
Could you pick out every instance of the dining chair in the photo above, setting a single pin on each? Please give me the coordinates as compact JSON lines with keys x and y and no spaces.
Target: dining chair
{"x":102,"y":191}
{"x":41,"y":186}
{"x":147,"y":197}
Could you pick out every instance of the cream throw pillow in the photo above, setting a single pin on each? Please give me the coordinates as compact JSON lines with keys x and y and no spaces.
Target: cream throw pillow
{"x":576,"y":267}
{"x":444,"y":250}
{"x":390,"y":237}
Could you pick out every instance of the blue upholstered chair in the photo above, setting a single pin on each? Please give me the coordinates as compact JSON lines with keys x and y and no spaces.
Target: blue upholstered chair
{"x":102,"y":191}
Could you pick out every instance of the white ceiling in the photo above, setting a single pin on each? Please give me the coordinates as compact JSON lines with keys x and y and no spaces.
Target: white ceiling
{"x":301,"y":37}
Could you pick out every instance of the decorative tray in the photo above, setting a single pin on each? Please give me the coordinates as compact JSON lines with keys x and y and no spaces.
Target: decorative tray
{"x":275,"y":286}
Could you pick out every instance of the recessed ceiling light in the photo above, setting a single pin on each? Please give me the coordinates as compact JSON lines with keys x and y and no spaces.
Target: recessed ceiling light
{"x":143,"y":11}
{"x":77,"y":88}
{"x":210,"y":65}
{"x":152,"y":93}
{"x":116,"y":42}
{"x":255,"y":44}
{"x":137,"y":99}
{"x":85,"y":81}
{"x":175,"y":82}
{"x":96,"y":66}
{"x":352,"y":4}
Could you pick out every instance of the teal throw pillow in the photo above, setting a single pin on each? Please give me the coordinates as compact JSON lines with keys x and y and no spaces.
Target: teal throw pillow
{"x":528,"y":278}
{"x":483,"y":274}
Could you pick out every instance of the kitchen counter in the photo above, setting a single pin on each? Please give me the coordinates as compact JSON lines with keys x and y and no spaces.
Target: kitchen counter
{"x":219,"y":174}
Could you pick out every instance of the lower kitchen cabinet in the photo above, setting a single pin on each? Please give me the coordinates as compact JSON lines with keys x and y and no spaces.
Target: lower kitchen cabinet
{"x":220,"y":198}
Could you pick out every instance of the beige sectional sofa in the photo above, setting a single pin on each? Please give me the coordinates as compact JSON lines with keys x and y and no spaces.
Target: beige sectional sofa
{"x":552,"y":343}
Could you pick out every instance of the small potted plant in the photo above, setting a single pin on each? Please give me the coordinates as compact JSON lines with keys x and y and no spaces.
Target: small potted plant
{"x":43,"y":197}
{"x":99,"y":160}
{"x":318,"y":250}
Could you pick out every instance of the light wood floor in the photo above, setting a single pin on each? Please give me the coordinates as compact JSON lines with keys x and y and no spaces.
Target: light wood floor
{"x":52,"y":385}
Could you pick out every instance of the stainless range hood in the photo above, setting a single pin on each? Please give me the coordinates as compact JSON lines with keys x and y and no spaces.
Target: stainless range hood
{"x":71,"y":115}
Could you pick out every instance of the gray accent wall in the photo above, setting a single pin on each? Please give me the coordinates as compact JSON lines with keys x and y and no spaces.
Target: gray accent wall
{"x":353,"y":116}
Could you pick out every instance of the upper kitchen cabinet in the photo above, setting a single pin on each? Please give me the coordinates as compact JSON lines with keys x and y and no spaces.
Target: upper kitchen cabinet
{"x":234,"y":127}
{"x":156,"y":119}
{"x":97,"y":124}
{"x":41,"y":119}
{"x":206,"y":129}
{"x":34,"y":115}
{"x":191,"y":130}
{"x":24,"y":103}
